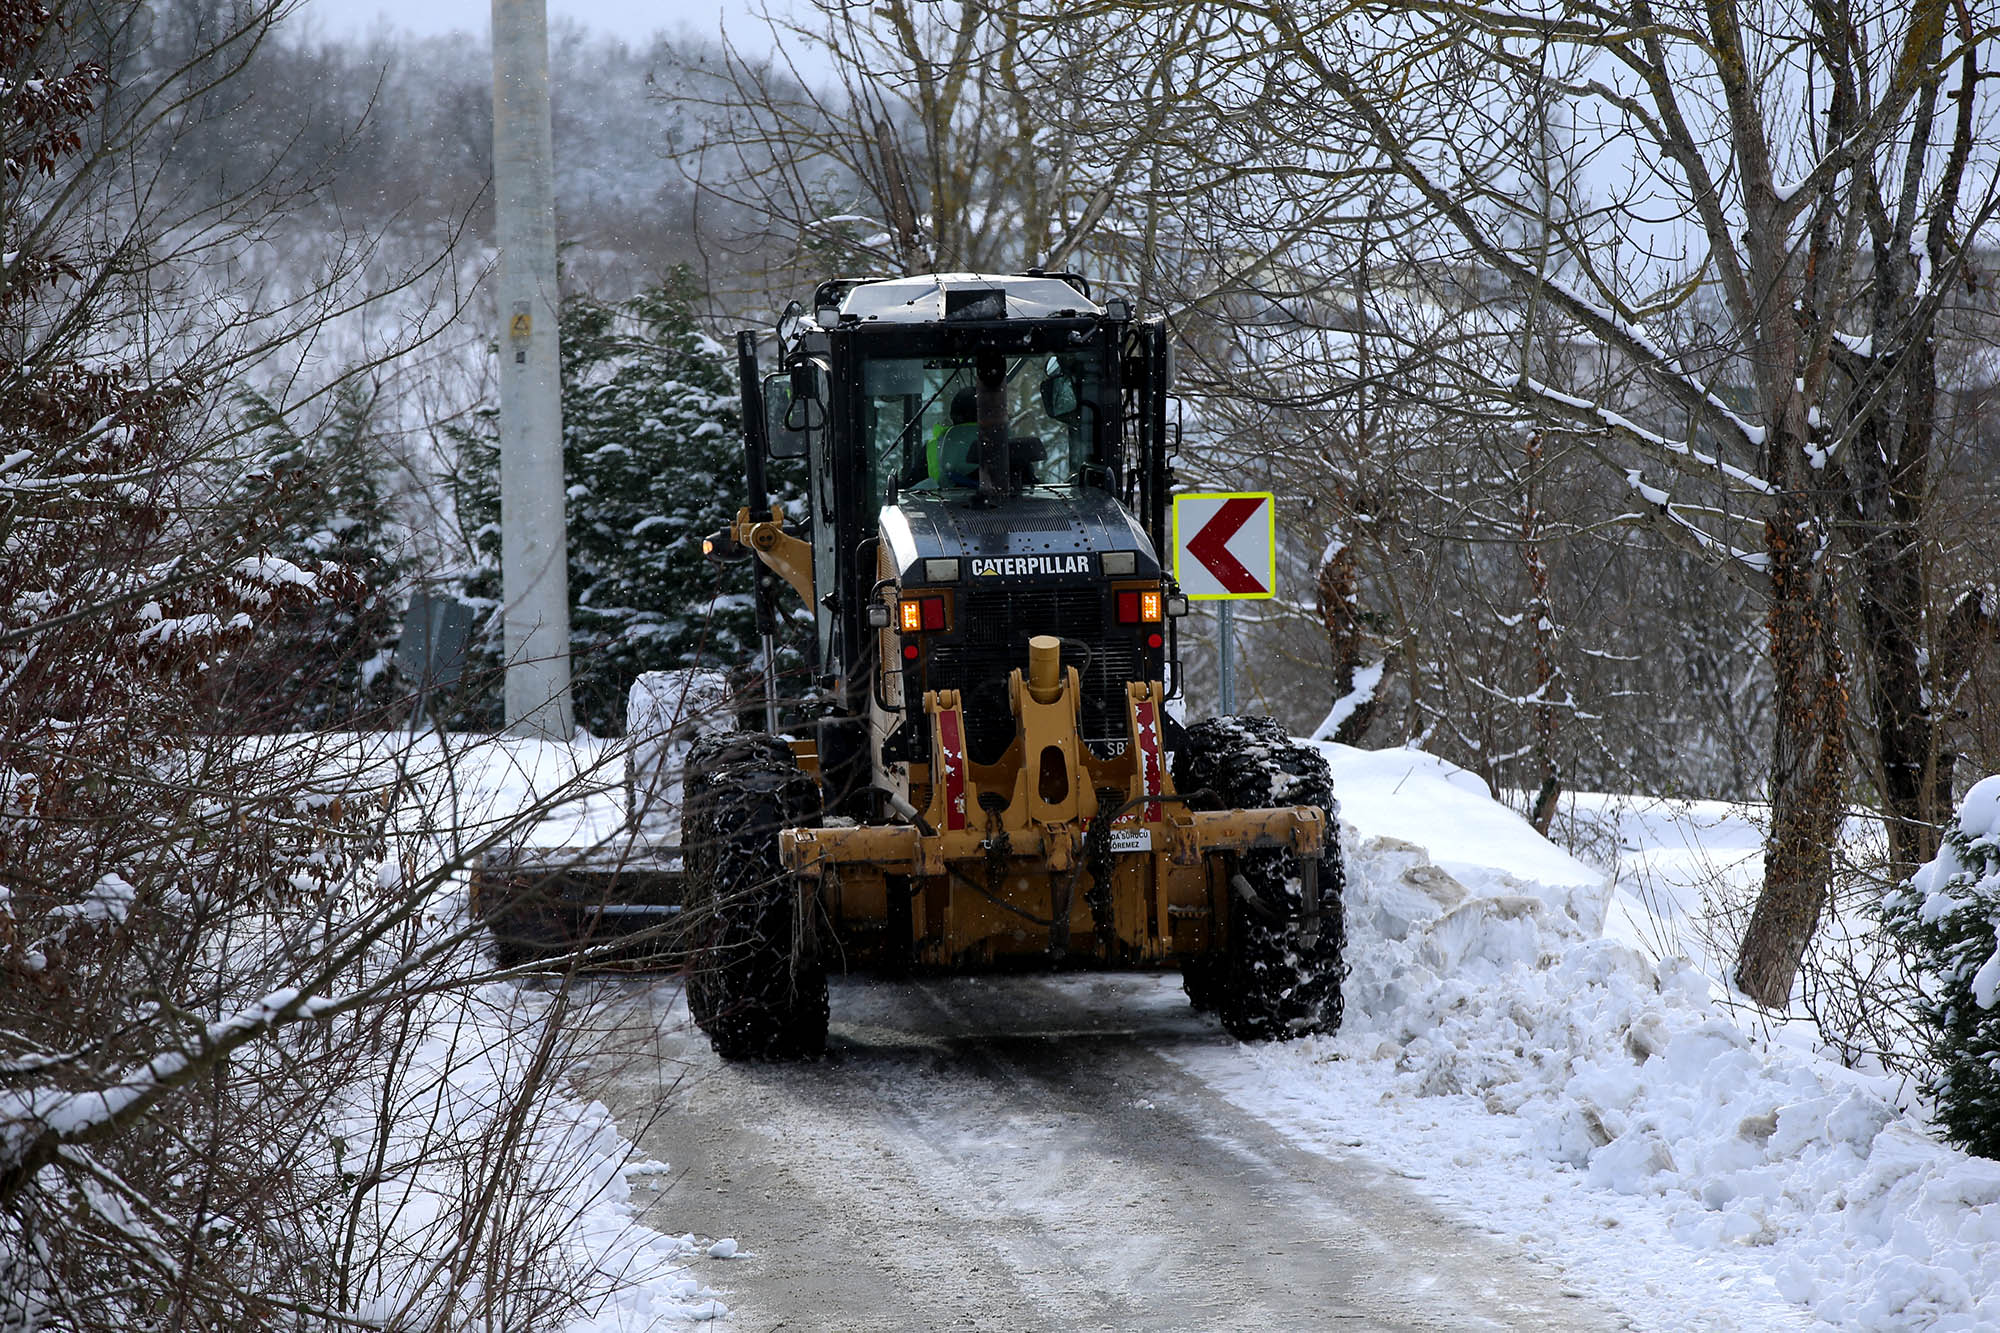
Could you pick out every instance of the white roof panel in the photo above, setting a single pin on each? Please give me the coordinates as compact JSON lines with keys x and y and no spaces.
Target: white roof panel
{"x":920,"y":299}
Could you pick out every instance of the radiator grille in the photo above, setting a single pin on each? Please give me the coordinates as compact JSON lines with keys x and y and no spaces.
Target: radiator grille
{"x":994,"y":628}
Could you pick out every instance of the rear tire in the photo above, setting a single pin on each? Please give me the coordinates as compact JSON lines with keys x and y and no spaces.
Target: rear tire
{"x":756,"y":982}
{"x":1266,"y":983}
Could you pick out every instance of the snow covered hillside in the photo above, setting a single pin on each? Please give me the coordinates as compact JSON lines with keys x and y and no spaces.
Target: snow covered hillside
{"x":1515,"y":1046}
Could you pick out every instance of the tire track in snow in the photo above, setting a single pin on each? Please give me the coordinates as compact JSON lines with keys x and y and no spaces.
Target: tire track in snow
{"x":1015,"y":1152}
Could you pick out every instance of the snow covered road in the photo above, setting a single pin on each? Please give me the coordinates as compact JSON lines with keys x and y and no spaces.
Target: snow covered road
{"x":1544,"y":1109}
{"x":1032,"y":1153}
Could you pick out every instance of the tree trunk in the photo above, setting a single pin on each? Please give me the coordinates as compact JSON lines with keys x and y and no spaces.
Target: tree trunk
{"x":1542,"y":627}
{"x":1888,"y":471}
{"x":1808,"y":760}
{"x":1340,"y":616}
{"x":1887,"y":474}
{"x":1906,"y":741}
{"x":1896,"y":388}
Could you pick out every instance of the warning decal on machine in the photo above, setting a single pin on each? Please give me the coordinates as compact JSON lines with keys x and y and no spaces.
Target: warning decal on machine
{"x":951,"y":748}
{"x":1146,"y":727}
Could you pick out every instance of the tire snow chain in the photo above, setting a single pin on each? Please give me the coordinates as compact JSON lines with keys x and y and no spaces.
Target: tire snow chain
{"x":1309,"y":900}
{"x":1309,"y":913}
{"x":1254,"y":899}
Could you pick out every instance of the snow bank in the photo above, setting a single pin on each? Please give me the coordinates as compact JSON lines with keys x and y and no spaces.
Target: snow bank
{"x":1668,"y":856}
{"x":1597,"y":1107}
{"x":1423,"y":800}
{"x":446,"y":1112}
{"x":665,"y":713}
{"x":450,"y":1099}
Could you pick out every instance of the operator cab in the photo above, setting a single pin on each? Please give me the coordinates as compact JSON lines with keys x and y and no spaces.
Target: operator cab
{"x":993,"y":447}
{"x":956,"y":372}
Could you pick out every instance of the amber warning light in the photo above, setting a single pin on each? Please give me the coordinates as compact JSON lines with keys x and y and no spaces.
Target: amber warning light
{"x":1136,"y":607}
{"x":922,"y":613}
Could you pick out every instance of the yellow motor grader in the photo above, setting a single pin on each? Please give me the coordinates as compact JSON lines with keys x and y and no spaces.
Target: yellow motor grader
{"x":992,"y":775}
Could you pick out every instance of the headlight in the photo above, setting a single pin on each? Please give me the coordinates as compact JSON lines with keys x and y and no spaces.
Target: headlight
{"x":941,"y":571}
{"x":1119,"y":563}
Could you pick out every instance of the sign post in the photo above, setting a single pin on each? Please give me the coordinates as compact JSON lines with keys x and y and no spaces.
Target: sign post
{"x":1225,"y":655}
{"x":1226,"y":550}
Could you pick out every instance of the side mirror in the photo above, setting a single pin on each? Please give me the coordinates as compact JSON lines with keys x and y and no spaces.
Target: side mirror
{"x":782,"y":438}
{"x":791,"y":328}
{"x":1059,"y":396}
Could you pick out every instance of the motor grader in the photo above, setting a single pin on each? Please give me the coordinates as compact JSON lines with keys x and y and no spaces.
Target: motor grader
{"x":995,"y":778}
{"x":991,"y":774}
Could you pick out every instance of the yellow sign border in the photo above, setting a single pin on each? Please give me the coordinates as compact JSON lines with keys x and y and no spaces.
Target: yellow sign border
{"x":1271,"y":521}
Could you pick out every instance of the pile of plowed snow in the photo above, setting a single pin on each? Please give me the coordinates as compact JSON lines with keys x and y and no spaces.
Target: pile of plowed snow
{"x":1595,"y":1104}
{"x":479,"y":1045}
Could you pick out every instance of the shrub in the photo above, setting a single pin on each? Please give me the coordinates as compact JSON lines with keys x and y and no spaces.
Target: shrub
{"x":1946,"y":919}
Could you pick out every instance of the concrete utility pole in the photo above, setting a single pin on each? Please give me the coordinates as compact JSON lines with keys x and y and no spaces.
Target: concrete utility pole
{"x":534,"y":542}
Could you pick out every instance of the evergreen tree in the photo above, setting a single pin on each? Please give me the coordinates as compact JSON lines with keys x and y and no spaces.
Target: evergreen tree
{"x":1946,"y":919}
{"x":652,"y":456}
{"x":322,"y":494}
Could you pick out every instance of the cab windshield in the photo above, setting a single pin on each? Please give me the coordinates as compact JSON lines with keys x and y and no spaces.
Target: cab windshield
{"x":919,"y":420}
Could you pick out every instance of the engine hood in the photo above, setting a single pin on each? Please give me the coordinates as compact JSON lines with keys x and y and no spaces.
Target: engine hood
{"x":1034,"y":535}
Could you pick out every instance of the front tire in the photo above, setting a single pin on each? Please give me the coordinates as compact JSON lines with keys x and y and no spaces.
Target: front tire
{"x":1267,"y":982}
{"x":756,"y":982}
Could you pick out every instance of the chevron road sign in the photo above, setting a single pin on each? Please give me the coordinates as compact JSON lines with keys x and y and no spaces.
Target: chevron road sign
{"x":1226,"y":544}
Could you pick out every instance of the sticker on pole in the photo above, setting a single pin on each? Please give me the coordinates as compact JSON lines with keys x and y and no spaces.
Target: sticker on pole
{"x":1226,"y":544}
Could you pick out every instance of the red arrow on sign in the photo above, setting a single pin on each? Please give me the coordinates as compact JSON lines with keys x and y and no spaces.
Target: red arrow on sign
{"x":1211,"y":545}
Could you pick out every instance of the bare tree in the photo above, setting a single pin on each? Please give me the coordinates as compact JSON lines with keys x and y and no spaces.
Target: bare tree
{"x":942,"y":144}
{"x":221,"y":956}
{"x":1757,"y":284}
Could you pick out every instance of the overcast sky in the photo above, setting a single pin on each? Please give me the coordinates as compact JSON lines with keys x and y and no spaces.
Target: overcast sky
{"x":634,"y":20}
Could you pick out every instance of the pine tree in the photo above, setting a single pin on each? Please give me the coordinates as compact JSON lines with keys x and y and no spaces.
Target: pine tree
{"x":1946,"y":919}
{"x":322,"y":493}
{"x":653,"y":460}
